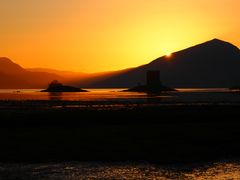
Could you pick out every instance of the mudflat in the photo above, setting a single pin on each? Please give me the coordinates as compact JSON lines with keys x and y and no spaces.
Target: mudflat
{"x":36,"y":131}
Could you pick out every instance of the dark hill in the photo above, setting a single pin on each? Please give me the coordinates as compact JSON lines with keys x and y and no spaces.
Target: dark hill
{"x":9,"y":67}
{"x":214,"y":63}
{"x":14,"y":76}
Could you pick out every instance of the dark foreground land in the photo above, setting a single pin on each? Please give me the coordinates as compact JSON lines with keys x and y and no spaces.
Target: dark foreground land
{"x":36,"y":132}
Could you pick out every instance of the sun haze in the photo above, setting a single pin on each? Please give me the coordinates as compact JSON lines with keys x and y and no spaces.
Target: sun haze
{"x":168,"y":55}
{"x":94,"y":35}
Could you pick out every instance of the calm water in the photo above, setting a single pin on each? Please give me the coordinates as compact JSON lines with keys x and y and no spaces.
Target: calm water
{"x":77,"y":171}
{"x":183,"y":95}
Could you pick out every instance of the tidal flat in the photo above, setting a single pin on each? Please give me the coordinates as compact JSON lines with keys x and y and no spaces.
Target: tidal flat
{"x":121,"y":137}
{"x":160,"y":134}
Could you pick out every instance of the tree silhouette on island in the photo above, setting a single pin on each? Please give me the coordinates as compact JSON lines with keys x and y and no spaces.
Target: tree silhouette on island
{"x":56,"y":86}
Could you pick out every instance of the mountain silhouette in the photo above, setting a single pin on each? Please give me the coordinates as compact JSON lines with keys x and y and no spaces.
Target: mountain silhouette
{"x":9,"y":67}
{"x":215,"y":63}
{"x":14,"y":76}
{"x":66,"y":74}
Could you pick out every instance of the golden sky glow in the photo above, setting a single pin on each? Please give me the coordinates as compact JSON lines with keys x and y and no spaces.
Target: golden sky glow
{"x":103,"y":35}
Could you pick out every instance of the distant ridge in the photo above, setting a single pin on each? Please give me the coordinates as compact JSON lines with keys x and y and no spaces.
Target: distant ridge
{"x":214,"y":63}
{"x":67,"y":74}
{"x":13,"y":76}
{"x":9,"y":67}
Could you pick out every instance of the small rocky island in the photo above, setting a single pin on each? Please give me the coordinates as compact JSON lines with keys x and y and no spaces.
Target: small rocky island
{"x":56,"y":86}
{"x":153,"y":85}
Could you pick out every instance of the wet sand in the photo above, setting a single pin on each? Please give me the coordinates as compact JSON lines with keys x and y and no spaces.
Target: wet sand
{"x":46,"y":131}
{"x":119,"y":170}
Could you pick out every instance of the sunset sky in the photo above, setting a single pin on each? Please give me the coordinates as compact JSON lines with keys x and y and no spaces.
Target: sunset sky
{"x":103,"y":35}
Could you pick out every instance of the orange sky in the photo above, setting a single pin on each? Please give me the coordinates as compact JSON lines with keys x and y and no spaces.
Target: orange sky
{"x":103,"y":35}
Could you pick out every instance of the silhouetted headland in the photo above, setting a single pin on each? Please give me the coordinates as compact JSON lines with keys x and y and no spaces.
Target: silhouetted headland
{"x":56,"y":86}
{"x":153,"y":85}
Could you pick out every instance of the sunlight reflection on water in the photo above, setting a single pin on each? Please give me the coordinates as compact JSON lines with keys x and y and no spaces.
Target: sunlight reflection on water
{"x":74,"y":171}
{"x":93,"y":95}
{"x":183,"y":95}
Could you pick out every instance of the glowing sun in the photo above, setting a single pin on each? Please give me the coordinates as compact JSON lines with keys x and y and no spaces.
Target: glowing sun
{"x":168,"y":55}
